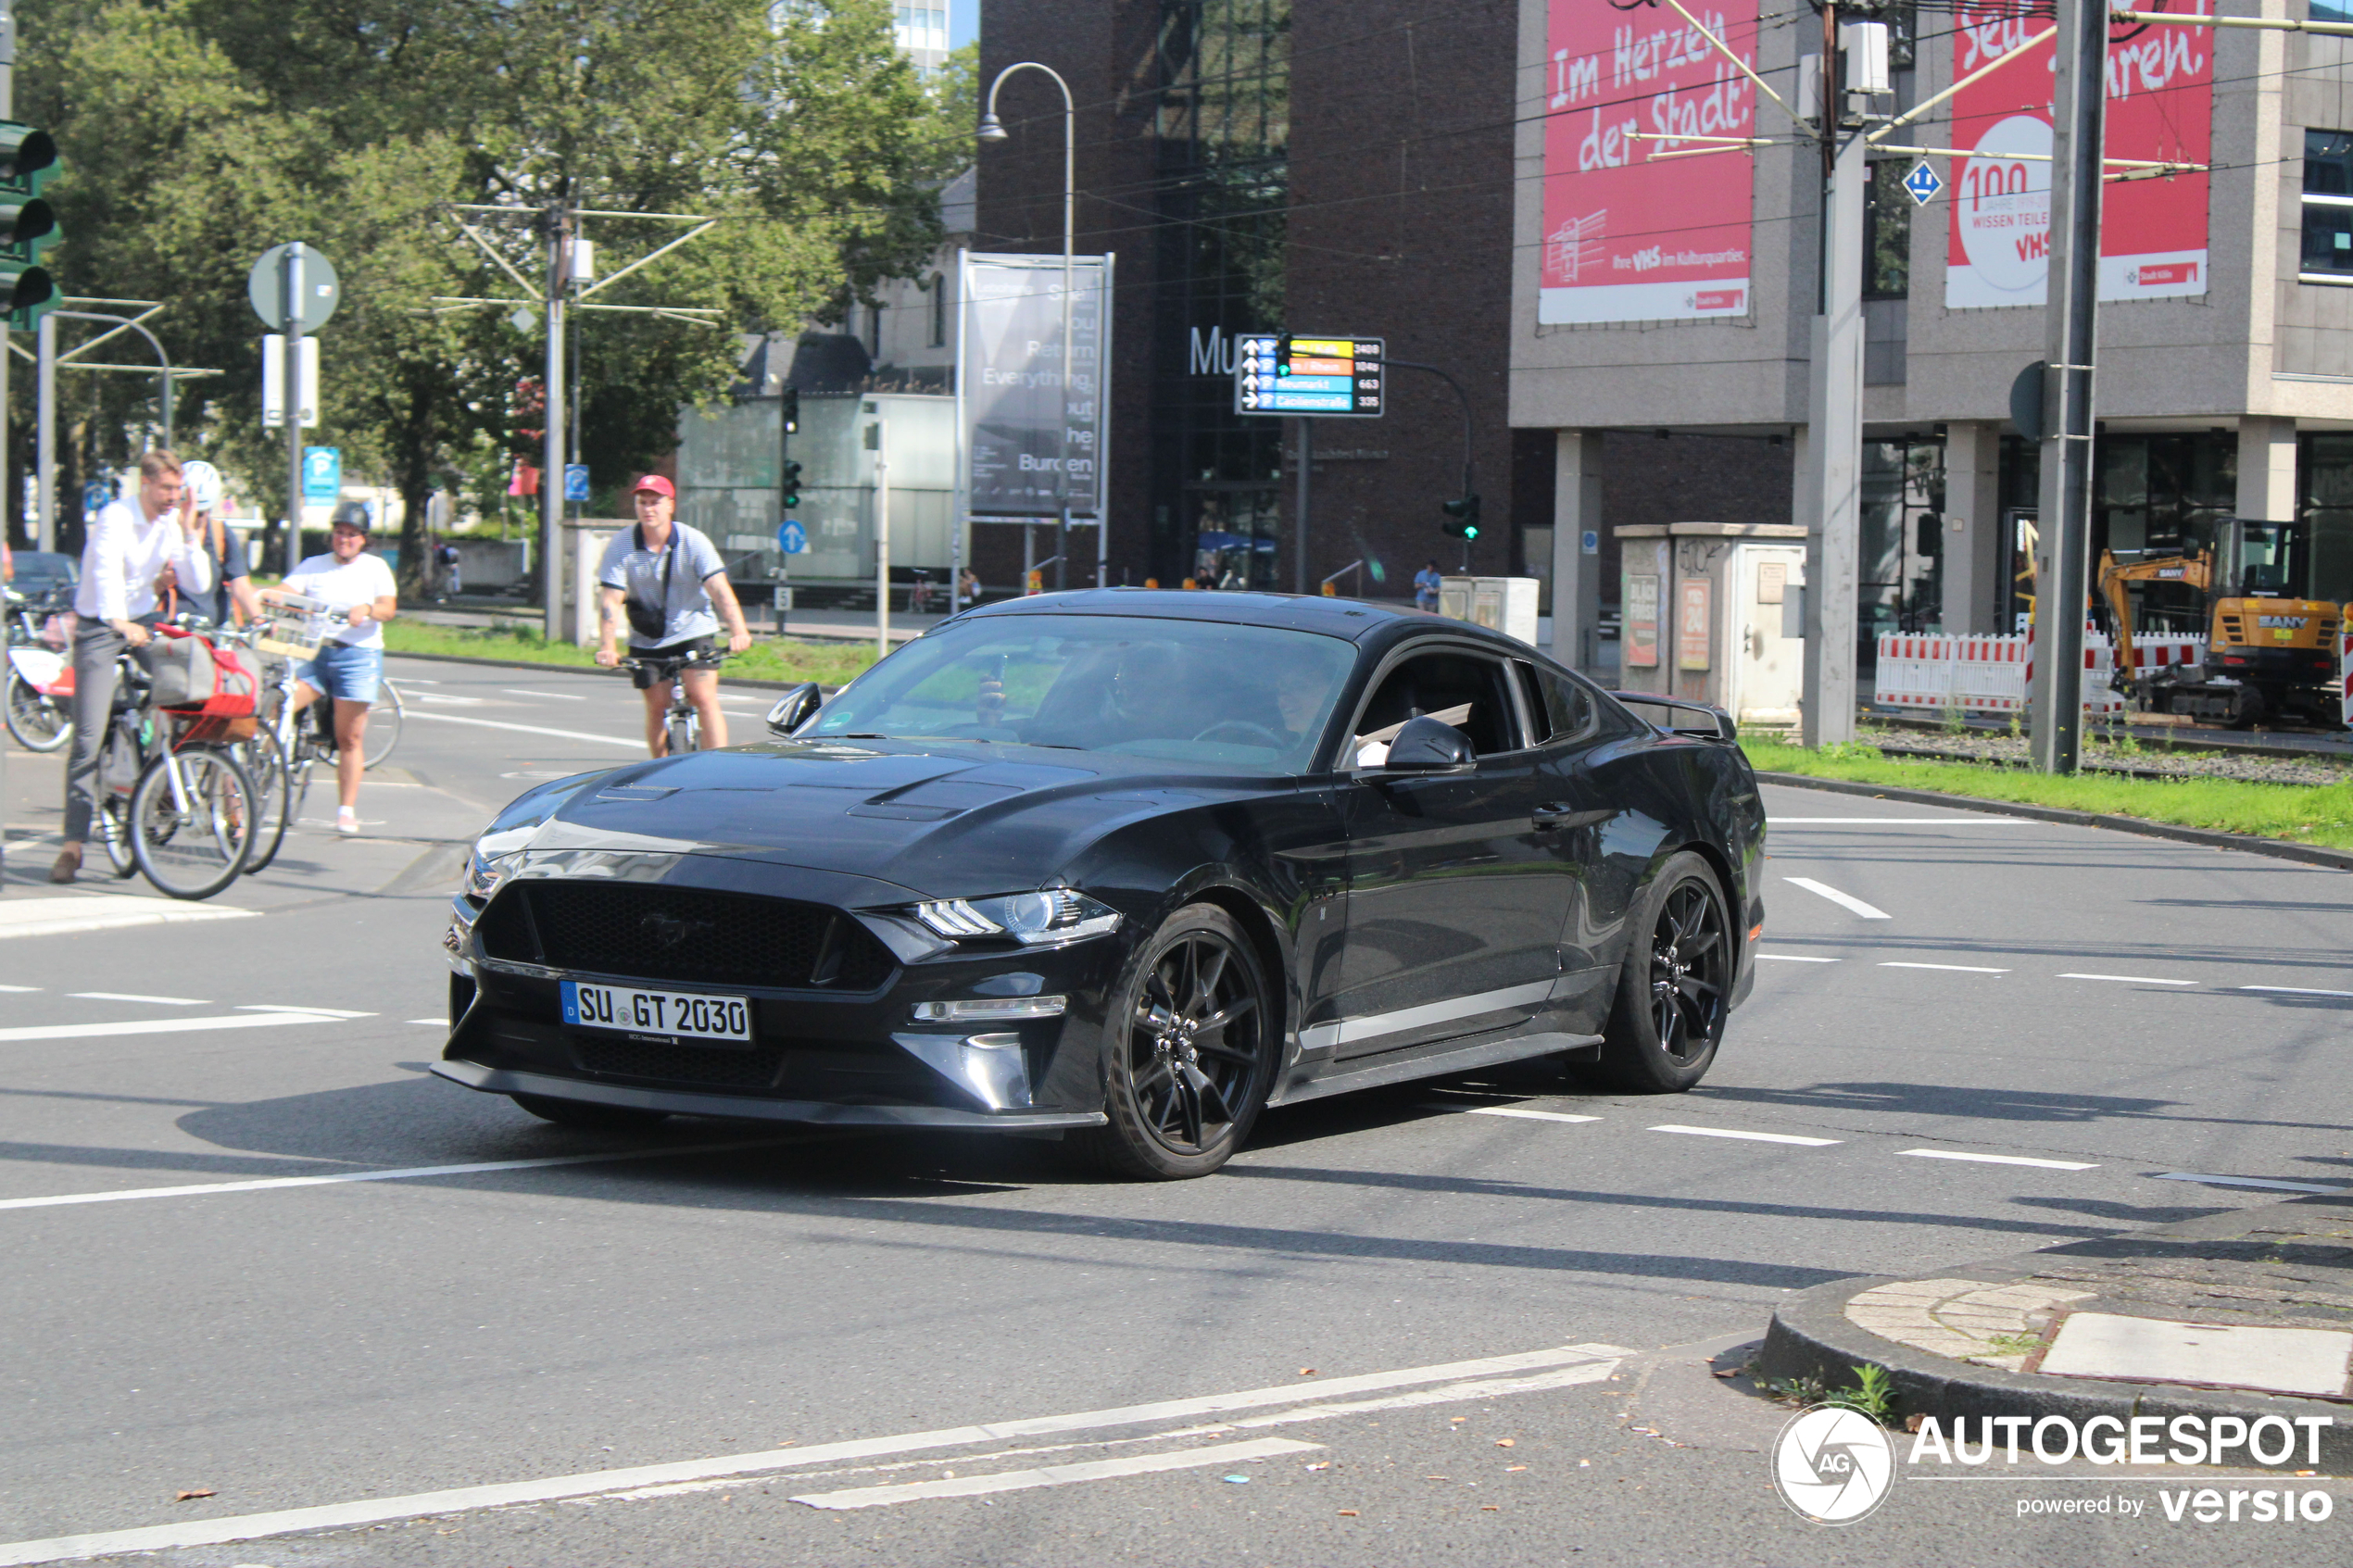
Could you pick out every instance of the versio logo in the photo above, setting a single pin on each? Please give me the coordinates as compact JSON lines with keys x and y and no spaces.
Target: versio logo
{"x":1832,"y":1464}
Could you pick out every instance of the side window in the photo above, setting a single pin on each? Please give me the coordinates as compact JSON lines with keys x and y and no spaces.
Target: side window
{"x":1562,"y":709}
{"x":1462,"y":689}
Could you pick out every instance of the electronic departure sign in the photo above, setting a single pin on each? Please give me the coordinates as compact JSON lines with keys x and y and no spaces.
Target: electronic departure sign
{"x":1319,"y":377}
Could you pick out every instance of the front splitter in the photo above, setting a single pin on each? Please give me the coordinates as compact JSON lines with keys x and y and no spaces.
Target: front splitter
{"x":684,"y":1102}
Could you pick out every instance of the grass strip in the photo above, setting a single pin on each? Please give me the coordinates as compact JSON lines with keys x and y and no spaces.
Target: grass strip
{"x":828,"y":664}
{"x":2320,"y":814}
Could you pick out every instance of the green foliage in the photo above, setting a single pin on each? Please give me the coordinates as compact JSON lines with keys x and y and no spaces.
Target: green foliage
{"x":2308,"y":813}
{"x":1872,"y":1393}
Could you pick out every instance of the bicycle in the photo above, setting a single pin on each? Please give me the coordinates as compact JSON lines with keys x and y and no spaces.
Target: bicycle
{"x":286,"y":746}
{"x":682,"y":726}
{"x":175,"y":804}
{"x":39,"y":698}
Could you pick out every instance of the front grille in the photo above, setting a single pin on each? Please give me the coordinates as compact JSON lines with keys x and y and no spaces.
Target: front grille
{"x":683,"y":935}
{"x":754,"y":1068}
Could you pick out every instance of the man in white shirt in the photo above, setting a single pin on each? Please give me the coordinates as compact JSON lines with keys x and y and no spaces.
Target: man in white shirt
{"x":130,"y":545}
{"x":351,"y":664}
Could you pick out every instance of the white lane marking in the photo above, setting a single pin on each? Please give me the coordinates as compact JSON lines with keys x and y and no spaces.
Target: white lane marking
{"x":1056,"y":1475}
{"x":1444,"y":1394}
{"x":435,"y":1022}
{"x":1953,"y":967}
{"x":38,"y":916}
{"x":559,"y":697}
{"x":159,"y":1026}
{"x":315,"y":1012}
{"x":409,"y":1173}
{"x":135,"y":997}
{"x":452,"y":698}
{"x":251,"y":1527}
{"x":1530,"y":1115}
{"x":1845,"y":900}
{"x":637,"y":744}
{"x":1794,"y":958}
{"x":2291,"y":991}
{"x":1893,"y":822}
{"x":2129,"y":979}
{"x":15,"y":990}
{"x":1997,"y":1159}
{"x":2250,"y":1182}
{"x":1753,"y":1138}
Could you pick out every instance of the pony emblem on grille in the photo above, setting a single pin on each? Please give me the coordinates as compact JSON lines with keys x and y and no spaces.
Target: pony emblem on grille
{"x":668,"y":930}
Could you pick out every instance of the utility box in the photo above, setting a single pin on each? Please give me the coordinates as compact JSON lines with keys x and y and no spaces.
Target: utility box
{"x":1704,"y":615}
{"x":1501,"y":604}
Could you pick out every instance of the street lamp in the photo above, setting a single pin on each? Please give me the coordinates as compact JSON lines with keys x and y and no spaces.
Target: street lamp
{"x":993,"y":130}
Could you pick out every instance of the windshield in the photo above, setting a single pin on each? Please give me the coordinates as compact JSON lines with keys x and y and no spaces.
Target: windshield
{"x":1184,"y":691}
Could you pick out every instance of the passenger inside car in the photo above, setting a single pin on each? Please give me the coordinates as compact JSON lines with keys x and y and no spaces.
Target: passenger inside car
{"x":1458,"y":689}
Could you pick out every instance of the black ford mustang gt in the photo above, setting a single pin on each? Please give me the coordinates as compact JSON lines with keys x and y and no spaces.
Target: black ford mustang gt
{"x":1128,"y":864}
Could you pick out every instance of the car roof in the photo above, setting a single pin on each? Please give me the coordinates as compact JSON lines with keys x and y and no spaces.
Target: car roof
{"x":1357,"y":621}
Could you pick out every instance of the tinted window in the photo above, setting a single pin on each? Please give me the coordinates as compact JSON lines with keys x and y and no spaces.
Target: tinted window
{"x":1562,"y":709}
{"x":1183,"y":690}
{"x":1460,"y":689}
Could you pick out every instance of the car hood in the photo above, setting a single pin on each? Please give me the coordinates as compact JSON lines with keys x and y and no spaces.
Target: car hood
{"x":943,"y":819}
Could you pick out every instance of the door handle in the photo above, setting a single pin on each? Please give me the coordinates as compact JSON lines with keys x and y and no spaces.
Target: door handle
{"x":1556,"y":815}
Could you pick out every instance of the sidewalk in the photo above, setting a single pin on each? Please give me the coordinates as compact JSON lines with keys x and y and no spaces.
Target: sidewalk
{"x":2247,"y":1313}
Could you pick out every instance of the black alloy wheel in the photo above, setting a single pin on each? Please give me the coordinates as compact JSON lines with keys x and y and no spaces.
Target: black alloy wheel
{"x":1675,"y":990}
{"x":1187,"y":1067}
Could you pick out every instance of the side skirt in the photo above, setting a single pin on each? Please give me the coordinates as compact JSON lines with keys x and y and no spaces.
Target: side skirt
{"x":1437,"y":1064}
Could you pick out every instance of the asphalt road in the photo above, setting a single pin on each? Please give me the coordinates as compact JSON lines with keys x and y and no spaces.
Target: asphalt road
{"x":252,"y":1251}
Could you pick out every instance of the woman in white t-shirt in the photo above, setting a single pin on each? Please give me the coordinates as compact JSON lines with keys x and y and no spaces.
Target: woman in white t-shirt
{"x":350,"y":665}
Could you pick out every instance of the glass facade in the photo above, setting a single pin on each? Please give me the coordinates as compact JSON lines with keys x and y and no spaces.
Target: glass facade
{"x":1222,"y":132}
{"x":2325,"y":502}
{"x":1900,"y":567}
{"x":2152,"y":494}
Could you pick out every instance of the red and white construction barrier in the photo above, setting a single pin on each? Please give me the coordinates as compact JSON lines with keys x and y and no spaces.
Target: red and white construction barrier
{"x":1985,"y":675}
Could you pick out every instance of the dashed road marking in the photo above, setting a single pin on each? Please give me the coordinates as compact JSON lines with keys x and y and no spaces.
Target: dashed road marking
{"x":1523,"y":1112}
{"x":435,"y":1022}
{"x":1057,"y":1474}
{"x":19,"y":990}
{"x":134,"y":996}
{"x":636,"y":744}
{"x":163,"y":1025}
{"x":314,"y":1012}
{"x":2263,"y":1183}
{"x":1949,"y":968}
{"x":1752,"y":1137}
{"x":2292,"y":991}
{"x":1845,"y":900}
{"x":2129,"y":979}
{"x":1794,"y":958}
{"x":1998,"y":1159}
{"x":559,"y":697}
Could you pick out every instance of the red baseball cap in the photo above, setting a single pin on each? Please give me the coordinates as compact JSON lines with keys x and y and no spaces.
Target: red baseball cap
{"x":656,"y":483}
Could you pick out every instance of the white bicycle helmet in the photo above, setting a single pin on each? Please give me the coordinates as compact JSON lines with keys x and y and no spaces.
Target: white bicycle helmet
{"x":204,"y":485}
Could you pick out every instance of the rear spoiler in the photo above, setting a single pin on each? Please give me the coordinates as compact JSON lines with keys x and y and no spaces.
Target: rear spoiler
{"x":1679,"y":716}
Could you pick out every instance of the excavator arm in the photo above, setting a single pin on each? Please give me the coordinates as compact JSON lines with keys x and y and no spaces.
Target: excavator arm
{"x":2116,"y":577}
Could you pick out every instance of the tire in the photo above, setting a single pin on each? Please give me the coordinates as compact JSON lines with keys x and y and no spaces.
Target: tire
{"x":1183,"y":1092}
{"x":1674,"y":991}
{"x":680,"y":738}
{"x":114,"y":833}
{"x":587,"y":1116}
{"x":35,"y":721}
{"x":384,"y":726}
{"x":274,"y":782}
{"x":197,"y":853}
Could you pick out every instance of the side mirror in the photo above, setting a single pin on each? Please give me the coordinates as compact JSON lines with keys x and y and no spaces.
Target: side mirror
{"x":1428,"y":744}
{"x":793,"y":708}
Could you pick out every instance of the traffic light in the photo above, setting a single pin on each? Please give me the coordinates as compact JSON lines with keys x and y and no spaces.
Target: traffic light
{"x":792,"y":484}
{"x":28,"y":162}
{"x":1462,"y":518}
{"x":790,"y":401}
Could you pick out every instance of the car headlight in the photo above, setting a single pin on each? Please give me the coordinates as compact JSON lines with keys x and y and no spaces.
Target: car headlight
{"x":1037,"y":919}
{"x":486,"y":872}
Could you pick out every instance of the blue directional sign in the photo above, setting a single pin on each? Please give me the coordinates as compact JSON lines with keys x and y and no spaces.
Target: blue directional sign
{"x":1321,"y":376}
{"x":792,"y":538}
{"x":321,"y":473}
{"x":1923,"y":184}
{"x":575,"y":482}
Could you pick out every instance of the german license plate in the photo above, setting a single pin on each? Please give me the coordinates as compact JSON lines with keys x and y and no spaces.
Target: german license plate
{"x":684,"y":1014}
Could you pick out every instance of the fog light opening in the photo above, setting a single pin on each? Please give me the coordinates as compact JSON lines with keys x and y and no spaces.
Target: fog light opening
{"x":990,"y":1010}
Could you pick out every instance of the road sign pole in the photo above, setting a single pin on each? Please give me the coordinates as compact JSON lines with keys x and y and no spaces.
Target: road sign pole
{"x":45,"y":338}
{"x":290,"y":295}
{"x":551,"y":505}
{"x":1830,"y":482}
{"x":2063,"y":564}
{"x":1299,"y":523}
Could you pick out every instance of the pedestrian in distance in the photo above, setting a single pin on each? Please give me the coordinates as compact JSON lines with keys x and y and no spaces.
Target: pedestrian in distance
{"x":669,"y":583}
{"x":350,"y":665}
{"x":1426,"y":584}
{"x":452,"y":582}
{"x":136,"y":545}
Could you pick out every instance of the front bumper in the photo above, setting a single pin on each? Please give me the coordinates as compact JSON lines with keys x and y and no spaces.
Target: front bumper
{"x":821,"y":1056}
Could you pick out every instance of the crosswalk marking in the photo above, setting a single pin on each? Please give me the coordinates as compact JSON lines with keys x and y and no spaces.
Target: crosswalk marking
{"x":1998,"y":1159}
{"x":1843,"y":900}
{"x":2129,"y":979}
{"x":1753,"y":1138}
{"x":1524,"y":1111}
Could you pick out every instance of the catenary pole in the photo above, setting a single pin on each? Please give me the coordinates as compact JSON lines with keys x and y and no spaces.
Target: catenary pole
{"x":1831,"y":482}
{"x":2062,"y":551}
{"x":291,"y":293}
{"x":551,"y":476}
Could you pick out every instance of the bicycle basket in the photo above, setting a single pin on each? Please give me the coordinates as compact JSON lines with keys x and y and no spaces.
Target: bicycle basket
{"x":234,"y":692}
{"x":294,"y":627}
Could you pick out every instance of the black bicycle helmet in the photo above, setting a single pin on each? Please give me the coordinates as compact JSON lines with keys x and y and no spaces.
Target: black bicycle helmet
{"x":351,"y":514}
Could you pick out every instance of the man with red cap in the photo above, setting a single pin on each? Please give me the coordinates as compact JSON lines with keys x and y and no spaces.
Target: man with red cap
{"x":669,"y":582}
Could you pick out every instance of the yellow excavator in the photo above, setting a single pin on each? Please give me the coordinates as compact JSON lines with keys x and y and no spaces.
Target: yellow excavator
{"x":2267,"y":655}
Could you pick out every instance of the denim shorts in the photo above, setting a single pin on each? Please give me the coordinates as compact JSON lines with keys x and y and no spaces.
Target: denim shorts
{"x":343,"y":672}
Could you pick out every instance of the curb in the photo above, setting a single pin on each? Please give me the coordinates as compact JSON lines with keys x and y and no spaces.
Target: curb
{"x":2277,"y":849}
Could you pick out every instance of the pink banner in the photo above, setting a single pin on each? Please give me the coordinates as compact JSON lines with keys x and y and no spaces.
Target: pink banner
{"x":2160,"y":108}
{"x":1629,"y":237}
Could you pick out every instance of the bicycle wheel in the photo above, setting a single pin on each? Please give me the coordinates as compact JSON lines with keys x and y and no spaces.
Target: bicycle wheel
{"x":191,"y":842}
{"x":113,"y":829}
{"x":265,"y":761}
{"x":38,"y":723}
{"x":682,"y":733}
{"x":383,"y":725}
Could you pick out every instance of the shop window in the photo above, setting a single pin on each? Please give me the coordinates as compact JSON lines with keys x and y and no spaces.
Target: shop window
{"x":2325,"y":502}
{"x":2328,"y":207}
